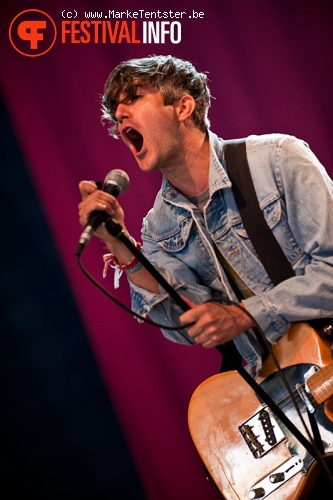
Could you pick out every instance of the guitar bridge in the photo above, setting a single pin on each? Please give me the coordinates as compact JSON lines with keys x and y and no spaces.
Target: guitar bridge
{"x":261,"y":432}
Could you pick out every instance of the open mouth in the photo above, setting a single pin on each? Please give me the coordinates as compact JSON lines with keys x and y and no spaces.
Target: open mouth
{"x":135,"y":138}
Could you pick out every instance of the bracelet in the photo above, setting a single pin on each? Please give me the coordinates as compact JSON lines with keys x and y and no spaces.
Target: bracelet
{"x":112,"y":261}
{"x":137,"y":266}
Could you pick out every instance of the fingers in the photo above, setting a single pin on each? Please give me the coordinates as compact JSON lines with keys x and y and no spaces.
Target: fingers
{"x":96,"y":199}
{"x":86,"y":188}
{"x":201,"y":324}
{"x":213,"y":324}
{"x":206,"y":335}
{"x":193,"y":318}
{"x":189,"y":302}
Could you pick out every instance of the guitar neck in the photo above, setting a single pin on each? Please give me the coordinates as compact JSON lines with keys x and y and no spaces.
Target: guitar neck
{"x":321,"y":384}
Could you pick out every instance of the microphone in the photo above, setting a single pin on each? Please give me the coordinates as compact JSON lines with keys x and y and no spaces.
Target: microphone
{"x":115,"y":183}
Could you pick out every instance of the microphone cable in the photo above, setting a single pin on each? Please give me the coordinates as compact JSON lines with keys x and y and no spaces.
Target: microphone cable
{"x":123,"y":306}
{"x":307,"y":443}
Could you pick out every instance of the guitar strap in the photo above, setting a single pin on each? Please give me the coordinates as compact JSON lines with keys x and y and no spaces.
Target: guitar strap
{"x":267,"y":247}
{"x":260,"y":234}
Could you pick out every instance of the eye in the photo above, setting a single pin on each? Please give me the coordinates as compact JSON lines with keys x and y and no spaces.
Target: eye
{"x":136,"y":97}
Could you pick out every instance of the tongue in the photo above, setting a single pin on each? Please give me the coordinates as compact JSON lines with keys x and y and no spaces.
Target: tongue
{"x":135,"y":138}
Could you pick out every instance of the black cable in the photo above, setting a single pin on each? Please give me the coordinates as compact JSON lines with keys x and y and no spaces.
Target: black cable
{"x":310,"y":443}
{"x":123,"y":306}
{"x":117,"y":231}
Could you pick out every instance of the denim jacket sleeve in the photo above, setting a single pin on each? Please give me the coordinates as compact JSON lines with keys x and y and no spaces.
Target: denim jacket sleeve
{"x":305,"y":233}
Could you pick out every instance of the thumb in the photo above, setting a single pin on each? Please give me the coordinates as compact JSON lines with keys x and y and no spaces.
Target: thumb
{"x":189,"y":302}
{"x":86,"y":188}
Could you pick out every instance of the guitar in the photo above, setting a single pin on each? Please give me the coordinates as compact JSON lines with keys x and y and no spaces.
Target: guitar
{"x":246,"y":450}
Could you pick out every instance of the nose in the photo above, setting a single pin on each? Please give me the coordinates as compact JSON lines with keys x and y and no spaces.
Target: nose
{"x":122,"y":112}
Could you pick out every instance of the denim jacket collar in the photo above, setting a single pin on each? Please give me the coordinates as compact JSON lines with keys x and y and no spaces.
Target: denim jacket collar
{"x":218,"y":178}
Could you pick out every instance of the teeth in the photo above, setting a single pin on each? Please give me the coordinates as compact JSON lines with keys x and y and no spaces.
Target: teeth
{"x":134,"y":137}
{"x":130,"y":130}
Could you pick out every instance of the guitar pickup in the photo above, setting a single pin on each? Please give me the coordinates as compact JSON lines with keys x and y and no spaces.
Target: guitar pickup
{"x":261,"y":432}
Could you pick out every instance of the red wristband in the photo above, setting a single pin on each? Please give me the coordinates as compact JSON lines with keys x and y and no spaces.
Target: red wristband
{"x":111,"y":260}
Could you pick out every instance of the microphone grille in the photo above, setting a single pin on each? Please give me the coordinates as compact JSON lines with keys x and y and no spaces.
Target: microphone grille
{"x":119,"y":178}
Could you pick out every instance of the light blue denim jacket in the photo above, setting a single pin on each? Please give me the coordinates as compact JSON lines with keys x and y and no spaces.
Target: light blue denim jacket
{"x":296,"y":196}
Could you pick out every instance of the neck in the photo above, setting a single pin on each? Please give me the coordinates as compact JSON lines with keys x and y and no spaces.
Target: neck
{"x":190,"y":175}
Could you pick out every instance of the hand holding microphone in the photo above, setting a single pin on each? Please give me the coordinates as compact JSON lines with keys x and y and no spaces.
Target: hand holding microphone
{"x":115,"y":183}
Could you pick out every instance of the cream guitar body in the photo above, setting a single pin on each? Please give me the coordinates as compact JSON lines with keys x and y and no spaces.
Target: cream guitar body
{"x":248,"y":453}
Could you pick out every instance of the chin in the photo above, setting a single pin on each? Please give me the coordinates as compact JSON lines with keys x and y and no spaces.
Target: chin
{"x":146,"y":166}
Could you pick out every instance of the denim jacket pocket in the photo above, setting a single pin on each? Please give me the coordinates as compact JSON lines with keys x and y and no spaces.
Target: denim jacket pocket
{"x":175,"y":239}
{"x":277,"y":222}
{"x":185,"y":252}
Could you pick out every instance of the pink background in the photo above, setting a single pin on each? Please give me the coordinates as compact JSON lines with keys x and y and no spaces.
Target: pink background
{"x":270,"y":70}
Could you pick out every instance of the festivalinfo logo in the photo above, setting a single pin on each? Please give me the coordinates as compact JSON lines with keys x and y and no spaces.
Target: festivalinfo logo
{"x":32,"y":33}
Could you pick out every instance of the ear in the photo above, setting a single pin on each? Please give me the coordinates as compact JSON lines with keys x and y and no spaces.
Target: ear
{"x":184,"y":107}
